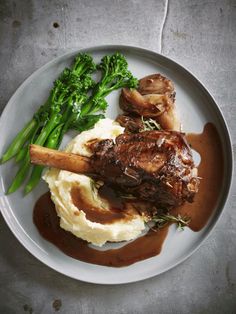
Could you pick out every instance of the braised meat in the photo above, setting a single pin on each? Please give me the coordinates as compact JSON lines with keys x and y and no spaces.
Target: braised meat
{"x":152,"y":165}
{"x":156,"y":166}
{"x":131,"y":123}
{"x":135,"y":124}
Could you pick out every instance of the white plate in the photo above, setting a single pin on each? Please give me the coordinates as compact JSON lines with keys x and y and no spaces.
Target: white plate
{"x":195,"y":106}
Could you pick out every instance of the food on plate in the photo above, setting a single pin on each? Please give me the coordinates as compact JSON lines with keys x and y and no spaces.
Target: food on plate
{"x":132,"y":124}
{"x":122,"y":181}
{"x":147,"y":167}
{"x":50,"y":121}
{"x":69,"y":106}
{"x":195,"y":215}
{"x":154,"y":98}
{"x":151,"y":165}
{"x":78,"y":201}
{"x":156,"y":165}
{"x":135,"y":124}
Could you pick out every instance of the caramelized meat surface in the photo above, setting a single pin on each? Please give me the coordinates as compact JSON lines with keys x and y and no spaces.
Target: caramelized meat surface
{"x":152,"y":165}
{"x":131,"y":123}
{"x":156,"y":166}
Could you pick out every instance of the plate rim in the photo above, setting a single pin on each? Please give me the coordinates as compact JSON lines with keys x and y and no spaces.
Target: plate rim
{"x":230,"y":165}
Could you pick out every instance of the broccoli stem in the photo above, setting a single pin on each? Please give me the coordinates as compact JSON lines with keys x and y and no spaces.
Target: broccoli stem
{"x":52,"y":142}
{"x":27,"y":131}
{"x":87,"y":107}
{"x":20,"y":176}
{"x":21,"y":154}
{"x":53,"y":139}
{"x":23,"y":171}
{"x":19,"y":140}
{"x":34,"y":179}
{"x":47,"y":129}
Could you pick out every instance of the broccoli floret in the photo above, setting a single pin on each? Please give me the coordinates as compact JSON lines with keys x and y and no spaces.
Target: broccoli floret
{"x":115,"y":75}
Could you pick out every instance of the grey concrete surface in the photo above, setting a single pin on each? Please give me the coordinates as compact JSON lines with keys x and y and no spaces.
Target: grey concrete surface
{"x":199,"y":34}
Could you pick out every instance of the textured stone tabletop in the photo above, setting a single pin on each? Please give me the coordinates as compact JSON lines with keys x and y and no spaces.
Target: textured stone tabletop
{"x":200,"y":35}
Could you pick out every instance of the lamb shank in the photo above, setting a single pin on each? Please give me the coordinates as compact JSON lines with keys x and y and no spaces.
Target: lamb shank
{"x":156,"y":166}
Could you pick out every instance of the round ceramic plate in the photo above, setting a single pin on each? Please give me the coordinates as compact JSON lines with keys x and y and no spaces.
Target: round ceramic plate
{"x":195,"y":107}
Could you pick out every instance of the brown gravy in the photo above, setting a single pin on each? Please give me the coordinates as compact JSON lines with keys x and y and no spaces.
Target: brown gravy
{"x":210,"y":170}
{"x":118,"y":208}
{"x":100,"y":215}
{"x":47,"y":222}
{"x":208,"y":145}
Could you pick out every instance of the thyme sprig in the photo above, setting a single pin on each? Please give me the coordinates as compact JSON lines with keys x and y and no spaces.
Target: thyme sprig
{"x":149,"y":124}
{"x":163,"y":219}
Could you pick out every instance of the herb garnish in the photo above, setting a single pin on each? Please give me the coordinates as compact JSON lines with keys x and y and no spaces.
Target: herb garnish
{"x":162,"y":219}
{"x":149,"y":124}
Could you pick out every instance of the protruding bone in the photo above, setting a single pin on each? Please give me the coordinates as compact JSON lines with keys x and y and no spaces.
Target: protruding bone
{"x":62,"y":160}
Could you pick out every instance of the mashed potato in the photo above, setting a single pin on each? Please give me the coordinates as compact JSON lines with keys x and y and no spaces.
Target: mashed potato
{"x":74,"y":219}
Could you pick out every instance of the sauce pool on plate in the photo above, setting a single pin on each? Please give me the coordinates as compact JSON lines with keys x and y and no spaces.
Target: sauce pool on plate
{"x":210,"y":170}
